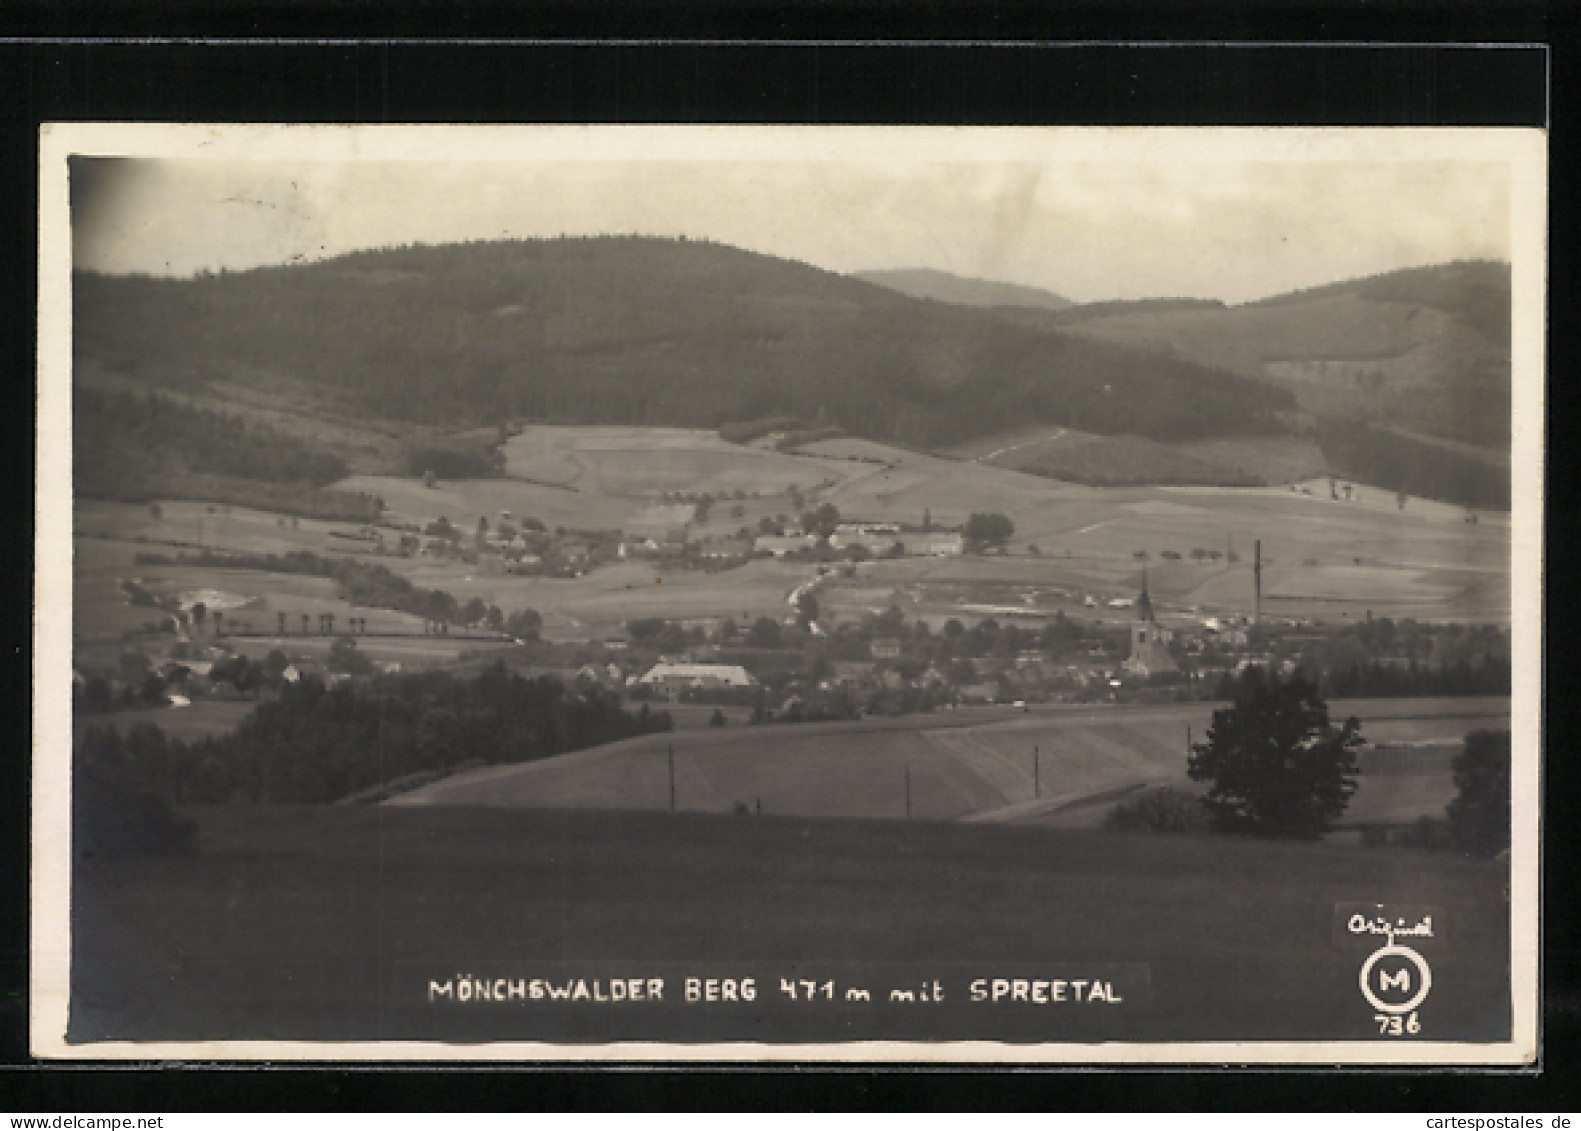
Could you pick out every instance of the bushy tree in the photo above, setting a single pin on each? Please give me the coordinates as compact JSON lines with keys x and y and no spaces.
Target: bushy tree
{"x":764,"y":633}
{"x":1276,"y":766}
{"x":988,"y":529}
{"x":1479,"y":816}
{"x":807,"y":606}
{"x":821,"y":521}
{"x":525,"y":624}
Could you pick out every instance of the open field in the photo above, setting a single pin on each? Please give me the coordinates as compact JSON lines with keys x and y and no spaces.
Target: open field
{"x":1084,"y":457}
{"x":975,"y":764}
{"x":300,"y":923}
{"x":1324,"y":559}
{"x":645,"y":462}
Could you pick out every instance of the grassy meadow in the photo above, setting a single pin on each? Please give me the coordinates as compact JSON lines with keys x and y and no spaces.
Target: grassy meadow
{"x":976,"y":764}
{"x":297,"y":924}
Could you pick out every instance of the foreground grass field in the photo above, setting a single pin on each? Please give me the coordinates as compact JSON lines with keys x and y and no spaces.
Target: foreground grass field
{"x":301,"y":923}
{"x":959,"y":764}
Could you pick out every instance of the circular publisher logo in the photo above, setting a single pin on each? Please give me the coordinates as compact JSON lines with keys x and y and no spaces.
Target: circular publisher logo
{"x":1395,"y":979}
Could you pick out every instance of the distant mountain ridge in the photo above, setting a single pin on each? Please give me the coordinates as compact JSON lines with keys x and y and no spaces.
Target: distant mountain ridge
{"x":942,"y":286}
{"x":631,"y":330}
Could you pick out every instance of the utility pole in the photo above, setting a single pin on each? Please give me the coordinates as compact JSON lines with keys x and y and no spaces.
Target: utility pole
{"x":908,"y":793}
{"x":1037,"y":788}
{"x":671,"y":750}
{"x":1257,"y":583}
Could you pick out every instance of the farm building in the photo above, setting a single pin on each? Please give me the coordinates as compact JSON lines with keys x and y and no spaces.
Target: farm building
{"x":673,"y":677}
{"x":885,"y":648}
{"x":849,"y":674}
{"x":781,"y":544}
{"x":875,"y":538}
{"x":933,"y":545}
{"x":727,"y":547}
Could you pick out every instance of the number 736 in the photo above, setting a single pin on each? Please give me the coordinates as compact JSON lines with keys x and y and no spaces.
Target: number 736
{"x":1393,"y":1025}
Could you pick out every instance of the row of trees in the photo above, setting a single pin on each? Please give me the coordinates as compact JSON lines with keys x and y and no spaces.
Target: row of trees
{"x":451,"y":459}
{"x":1489,"y":676}
{"x":360,"y":582}
{"x":314,"y":744}
{"x":1387,"y":458}
{"x":105,"y":424}
{"x":138,"y":448}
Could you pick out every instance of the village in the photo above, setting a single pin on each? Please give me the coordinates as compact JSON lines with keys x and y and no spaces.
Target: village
{"x":1053,"y":644}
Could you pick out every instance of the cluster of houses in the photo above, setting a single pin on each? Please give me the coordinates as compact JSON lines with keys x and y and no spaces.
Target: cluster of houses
{"x":571,"y":553}
{"x":1030,"y":674}
{"x":877,"y":539}
{"x":214,"y":673}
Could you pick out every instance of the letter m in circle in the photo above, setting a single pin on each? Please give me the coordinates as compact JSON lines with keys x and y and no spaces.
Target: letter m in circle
{"x":1398,"y":981}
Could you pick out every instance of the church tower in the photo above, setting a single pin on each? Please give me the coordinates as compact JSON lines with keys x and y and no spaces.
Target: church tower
{"x":1149,"y":642}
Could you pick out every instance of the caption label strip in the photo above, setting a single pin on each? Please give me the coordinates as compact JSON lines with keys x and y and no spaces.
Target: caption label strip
{"x":766,"y":1001}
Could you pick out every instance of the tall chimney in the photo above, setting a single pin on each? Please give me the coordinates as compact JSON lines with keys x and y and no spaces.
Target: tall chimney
{"x":1257,"y":583}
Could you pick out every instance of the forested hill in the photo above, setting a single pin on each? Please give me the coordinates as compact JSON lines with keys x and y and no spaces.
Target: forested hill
{"x":645,"y":331}
{"x":942,"y":286}
{"x":1426,"y":348}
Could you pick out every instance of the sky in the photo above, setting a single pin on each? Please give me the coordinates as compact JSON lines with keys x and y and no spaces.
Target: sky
{"x":1117,"y":224}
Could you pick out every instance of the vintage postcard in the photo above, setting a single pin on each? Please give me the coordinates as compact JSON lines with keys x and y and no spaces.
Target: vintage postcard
{"x":1039,"y":595}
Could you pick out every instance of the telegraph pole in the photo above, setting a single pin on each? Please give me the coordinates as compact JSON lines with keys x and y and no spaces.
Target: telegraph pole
{"x":671,"y":750}
{"x":1257,"y":583}
{"x":1037,"y":788}
{"x":908,"y":793}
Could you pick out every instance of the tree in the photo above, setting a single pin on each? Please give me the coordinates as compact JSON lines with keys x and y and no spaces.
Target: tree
{"x":96,"y":694}
{"x":524,"y":624}
{"x":765,"y":633}
{"x":1479,"y":816}
{"x":275,"y":664}
{"x":199,"y":611}
{"x":821,"y":521}
{"x":988,"y":530}
{"x":1275,"y":764}
{"x":807,"y":605}
{"x":344,"y":657}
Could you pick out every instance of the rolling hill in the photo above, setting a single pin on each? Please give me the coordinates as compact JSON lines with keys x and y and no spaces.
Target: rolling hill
{"x":1426,"y":349}
{"x":632,"y":330}
{"x":942,"y":286}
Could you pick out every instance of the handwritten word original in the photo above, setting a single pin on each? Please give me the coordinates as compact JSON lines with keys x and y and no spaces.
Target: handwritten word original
{"x":1359,"y":924}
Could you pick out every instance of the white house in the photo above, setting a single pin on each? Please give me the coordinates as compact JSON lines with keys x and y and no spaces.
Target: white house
{"x":673,"y":676}
{"x":934,"y":545}
{"x":781,"y":544}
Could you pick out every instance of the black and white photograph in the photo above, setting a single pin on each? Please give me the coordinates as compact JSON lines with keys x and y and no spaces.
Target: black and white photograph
{"x":773,"y":593}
